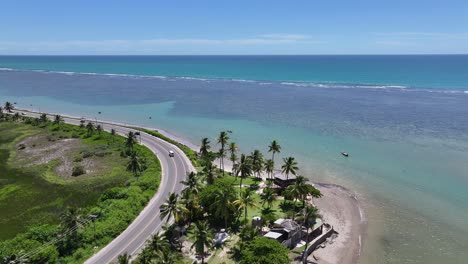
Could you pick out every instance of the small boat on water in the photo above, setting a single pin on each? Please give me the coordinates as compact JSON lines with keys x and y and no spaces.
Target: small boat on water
{"x":345,"y":154}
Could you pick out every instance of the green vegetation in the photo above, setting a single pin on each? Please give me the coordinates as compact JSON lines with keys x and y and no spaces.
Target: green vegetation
{"x":264,"y":251}
{"x":76,"y":187}
{"x":213,"y":200}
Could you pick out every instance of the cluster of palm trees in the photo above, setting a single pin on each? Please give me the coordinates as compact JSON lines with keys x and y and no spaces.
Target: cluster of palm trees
{"x":246,"y":165}
{"x":187,"y":211}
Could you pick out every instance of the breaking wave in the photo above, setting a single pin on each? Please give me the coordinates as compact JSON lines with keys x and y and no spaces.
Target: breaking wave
{"x":243,"y":81}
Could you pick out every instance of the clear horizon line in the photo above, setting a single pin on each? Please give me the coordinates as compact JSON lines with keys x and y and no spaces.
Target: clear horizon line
{"x":330,"y":54}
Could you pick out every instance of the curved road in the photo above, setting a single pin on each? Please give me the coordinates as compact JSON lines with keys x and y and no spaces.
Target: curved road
{"x":148,"y":222}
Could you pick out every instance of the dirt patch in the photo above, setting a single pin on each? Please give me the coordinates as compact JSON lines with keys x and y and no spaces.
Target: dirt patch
{"x":67,"y":152}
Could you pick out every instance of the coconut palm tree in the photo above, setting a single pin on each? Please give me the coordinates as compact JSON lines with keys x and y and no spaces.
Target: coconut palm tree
{"x":135,"y":164}
{"x":16,"y":116}
{"x":90,"y":128}
{"x":43,"y":118}
{"x":308,"y":217}
{"x":233,"y":154}
{"x":223,"y":140}
{"x":202,"y":236}
{"x":209,"y":172}
{"x":145,"y":257}
{"x":222,"y":205}
{"x":221,"y":154}
{"x":245,"y":201}
{"x":257,"y":162}
{"x":130,"y":141}
{"x":244,"y":167}
{"x":57,"y":120}
{"x":158,"y":244}
{"x":123,"y":259}
{"x":192,"y":183}
{"x":269,"y":168}
{"x":300,"y":189}
{"x":99,"y":129}
{"x":192,"y":203}
{"x":173,"y":208}
{"x":274,"y":148}
{"x":289,"y":166}
{"x":70,"y":221}
{"x":205,"y":148}
{"x":112,"y":135}
{"x":167,"y":257}
{"x":82,"y":123}
{"x":9,"y":107}
{"x":268,"y":197}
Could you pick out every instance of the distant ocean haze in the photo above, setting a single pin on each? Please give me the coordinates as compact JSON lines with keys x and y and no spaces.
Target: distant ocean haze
{"x":403,"y":119}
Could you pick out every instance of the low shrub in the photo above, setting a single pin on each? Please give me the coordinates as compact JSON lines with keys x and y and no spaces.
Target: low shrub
{"x":78,"y":170}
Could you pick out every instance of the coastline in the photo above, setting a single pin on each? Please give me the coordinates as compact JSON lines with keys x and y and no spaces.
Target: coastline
{"x":338,"y":207}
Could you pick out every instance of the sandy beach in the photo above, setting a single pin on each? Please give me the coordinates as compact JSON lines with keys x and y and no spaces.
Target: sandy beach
{"x":341,"y":209}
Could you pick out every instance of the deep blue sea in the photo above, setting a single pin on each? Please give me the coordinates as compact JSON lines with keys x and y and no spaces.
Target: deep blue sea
{"x":403,"y":119}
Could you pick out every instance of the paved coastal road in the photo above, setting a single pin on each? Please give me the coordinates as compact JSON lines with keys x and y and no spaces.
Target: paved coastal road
{"x":148,"y":222}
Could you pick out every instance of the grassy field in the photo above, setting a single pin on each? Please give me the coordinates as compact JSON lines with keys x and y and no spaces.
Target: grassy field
{"x":37,"y":185}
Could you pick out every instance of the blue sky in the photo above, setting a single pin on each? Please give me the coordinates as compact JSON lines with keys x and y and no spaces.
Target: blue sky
{"x":234,"y":27}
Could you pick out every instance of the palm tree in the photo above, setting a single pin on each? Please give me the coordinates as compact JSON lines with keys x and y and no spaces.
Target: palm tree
{"x":130,"y":141}
{"x":257,"y":162}
{"x":205,"y":148}
{"x":57,"y":120}
{"x":71,"y":217}
{"x":43,"y":118}
{"x":233,"y":154}
{"x":158,"y":244}
{"x":247,"y":234}
{"x":223,"y":140}
{"x":70,"y":221}
{"x":167,"y":257}
{"x":192,"y":203}
{"x":192,"y":183}
{"x":221,"y":155}
{"x":289,"y":166}
{"x":274,"y":148}
{"x":90,"y":128}
{"x":123,"y":259}
{"x":9,"y":107}
{"x":208,"y":171}
{"x":112,"y":133}
{"x":173,"y":208}
{"x":269,"y":168}
{"x":82,"y":123}
{"x":244,"y":167}
{"x":245,"y":201}
{"x":308,"y":217}
{"x":99,"y":129}
{"x":135,"y":164}
{"x":145,"y":257}
{"x":222,"y":204}
{"x":300,"y":189}
{"x":202,"y":237}
{"x":16,"y":116}
{"x":268,"y":197}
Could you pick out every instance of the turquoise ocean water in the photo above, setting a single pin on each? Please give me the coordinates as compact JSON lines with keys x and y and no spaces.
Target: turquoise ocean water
{"x":404,"y":119}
